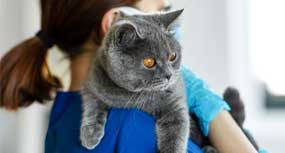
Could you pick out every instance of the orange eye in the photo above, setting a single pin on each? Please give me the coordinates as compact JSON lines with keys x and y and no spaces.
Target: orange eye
{"x":172,"y":57}
{"x":149,"y":62}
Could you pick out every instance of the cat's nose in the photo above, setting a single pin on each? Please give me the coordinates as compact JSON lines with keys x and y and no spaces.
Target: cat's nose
{"x":168,"y":76}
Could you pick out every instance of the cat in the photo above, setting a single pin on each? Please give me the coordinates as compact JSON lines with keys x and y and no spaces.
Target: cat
{"x":138,"y":66}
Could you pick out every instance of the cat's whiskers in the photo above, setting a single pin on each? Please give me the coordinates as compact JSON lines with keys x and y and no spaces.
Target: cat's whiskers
{"x":149,"y":85}
{"x":133,"y":97}
{"x":149,"y":99}
{"x":140,"y":103}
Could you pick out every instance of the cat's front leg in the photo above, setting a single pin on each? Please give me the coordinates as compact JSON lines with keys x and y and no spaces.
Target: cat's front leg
{"x":173,"y":131}
{"x":93,"y":121}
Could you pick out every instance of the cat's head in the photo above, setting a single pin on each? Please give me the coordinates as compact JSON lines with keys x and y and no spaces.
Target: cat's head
{"x":141,"y":53}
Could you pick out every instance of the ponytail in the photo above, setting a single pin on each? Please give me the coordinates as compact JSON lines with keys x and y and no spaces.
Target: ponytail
{"x":24,"y":75}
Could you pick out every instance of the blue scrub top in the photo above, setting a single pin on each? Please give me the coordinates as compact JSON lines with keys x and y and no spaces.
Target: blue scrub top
{"x":126,"y":131}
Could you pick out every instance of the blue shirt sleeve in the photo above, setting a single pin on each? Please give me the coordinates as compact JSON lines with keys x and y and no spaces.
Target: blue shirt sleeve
{"x":126,"y":131}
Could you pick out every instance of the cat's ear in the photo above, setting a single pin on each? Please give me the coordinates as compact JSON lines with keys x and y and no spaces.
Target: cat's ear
{"x":127,"y":32}
{"x":168,"y":18}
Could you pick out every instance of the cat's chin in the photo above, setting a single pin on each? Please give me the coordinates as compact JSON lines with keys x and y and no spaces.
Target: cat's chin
{"x":156,"y":85}
{"x":160,"y":87}
{"x":154,"y":88}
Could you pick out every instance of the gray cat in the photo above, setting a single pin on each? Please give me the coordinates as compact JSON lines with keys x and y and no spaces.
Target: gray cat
{"x":137,"y":66}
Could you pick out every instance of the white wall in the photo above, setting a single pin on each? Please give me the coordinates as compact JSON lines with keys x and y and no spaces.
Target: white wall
{"x":9,"y":35}
{"x":8,"y":133}
{"x":9,"y":24}
{"x":205,"y":40}
{"x":266,"y":44}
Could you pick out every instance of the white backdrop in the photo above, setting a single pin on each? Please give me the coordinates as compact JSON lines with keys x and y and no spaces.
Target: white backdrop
{"x":9,"y":31}
{"x":215,"y":42}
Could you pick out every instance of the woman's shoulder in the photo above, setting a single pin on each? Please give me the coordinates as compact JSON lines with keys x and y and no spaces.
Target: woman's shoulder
{"x":137,"y":131}
{"x":68,"y":105}
{"x":126,"y":129}
{"x":64,"y":103}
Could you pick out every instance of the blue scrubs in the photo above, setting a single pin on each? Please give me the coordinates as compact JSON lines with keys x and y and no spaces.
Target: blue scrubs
{"x":127,"y":131}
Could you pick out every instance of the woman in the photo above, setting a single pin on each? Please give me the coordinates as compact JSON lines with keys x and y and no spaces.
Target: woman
{"x":77,"y":28}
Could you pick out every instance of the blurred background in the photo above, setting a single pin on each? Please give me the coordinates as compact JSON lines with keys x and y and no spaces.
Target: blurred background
{"x":238,"y":43}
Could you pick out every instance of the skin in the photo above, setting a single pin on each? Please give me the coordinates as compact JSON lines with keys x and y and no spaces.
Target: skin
{"x":227,"y":137}
{"x":224,"y":133}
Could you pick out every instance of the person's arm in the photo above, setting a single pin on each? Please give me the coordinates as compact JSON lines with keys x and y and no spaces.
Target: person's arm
{"x":227,"y":137}
{"x":201,"y":100}
{"x":214,"y":120}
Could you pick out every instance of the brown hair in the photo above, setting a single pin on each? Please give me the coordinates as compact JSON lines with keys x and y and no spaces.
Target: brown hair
{"x":24,"y":73}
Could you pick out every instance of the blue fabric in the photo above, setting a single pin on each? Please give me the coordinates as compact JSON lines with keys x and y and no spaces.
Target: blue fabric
{"x":203,"y":102}
{"x":262,"y":151}
{"x":127,"y":131}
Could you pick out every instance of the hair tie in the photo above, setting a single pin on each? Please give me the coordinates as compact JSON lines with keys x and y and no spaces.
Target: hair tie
{"x":45,"y":39}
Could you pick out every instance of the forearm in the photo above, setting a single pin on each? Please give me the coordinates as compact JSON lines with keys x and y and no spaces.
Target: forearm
{"x":227,"y":137}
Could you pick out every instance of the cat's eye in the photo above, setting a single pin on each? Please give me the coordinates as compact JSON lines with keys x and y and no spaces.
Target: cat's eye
{"x":149,"y":62}
{"x":172,"y":57}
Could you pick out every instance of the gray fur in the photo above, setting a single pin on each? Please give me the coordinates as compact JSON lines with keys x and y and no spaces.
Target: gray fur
{"x":119,"y":79}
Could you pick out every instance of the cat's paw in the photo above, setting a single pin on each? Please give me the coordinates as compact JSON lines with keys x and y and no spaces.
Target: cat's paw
{"x":91,"y":136}
{"x":210,"y":149}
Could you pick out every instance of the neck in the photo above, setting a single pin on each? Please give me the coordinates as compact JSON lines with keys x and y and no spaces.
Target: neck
{"x":80,"y":67}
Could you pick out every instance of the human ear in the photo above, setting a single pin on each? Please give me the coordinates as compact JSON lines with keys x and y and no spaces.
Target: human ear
{"x":109,"y":18}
